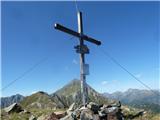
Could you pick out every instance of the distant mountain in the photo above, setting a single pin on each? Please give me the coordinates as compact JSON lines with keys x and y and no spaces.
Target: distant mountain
{"x":39,"y":100}
{"x":42,"y":103}
{"x":6,"y":101}
{"x":71,"y":93}
{"x":145,"y":99}
{"x":62,"y":98}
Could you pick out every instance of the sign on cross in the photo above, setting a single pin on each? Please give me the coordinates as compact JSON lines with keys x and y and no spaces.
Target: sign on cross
{"x":82,"y":49}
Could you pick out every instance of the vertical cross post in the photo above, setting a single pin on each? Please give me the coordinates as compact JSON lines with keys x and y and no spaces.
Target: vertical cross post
{"x":82,"y":61}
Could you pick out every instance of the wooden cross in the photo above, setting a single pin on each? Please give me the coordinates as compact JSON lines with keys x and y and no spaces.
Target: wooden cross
{"x":82,"y":49}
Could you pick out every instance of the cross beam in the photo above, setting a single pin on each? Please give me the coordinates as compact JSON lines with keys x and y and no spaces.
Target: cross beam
{"x":76,"y":34}
{"x":82,"y":49}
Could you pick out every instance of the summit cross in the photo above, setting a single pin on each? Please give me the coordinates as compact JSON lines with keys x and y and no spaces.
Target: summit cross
{"x":82,"y":49}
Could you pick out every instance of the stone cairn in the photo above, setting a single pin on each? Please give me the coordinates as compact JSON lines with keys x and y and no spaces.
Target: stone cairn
{"x":93,"y":111}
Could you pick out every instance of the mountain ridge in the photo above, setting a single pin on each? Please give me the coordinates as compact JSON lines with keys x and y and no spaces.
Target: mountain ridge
{"x":6,"y":101}
{"x":143,"y":99}
{"x":65,"y":96}
{"x":62,"y":98}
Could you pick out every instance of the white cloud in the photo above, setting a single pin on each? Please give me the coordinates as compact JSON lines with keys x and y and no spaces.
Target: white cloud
{"x":104,"y":82}
{"x":109,"y":82}
{"x":33,"y":92}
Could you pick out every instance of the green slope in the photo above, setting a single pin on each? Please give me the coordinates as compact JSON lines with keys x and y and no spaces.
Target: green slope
{"x":39,"y":100}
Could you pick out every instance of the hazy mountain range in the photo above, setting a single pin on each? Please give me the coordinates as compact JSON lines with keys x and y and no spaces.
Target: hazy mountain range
{"x":70,"y":93}
{"x":145,"y":99}
{"x":62,"y":98}
{"x":6,"y":101}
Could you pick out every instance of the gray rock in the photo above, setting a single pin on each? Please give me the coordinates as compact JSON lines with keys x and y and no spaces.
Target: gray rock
{"x":94,"y":107}
{"x":96,"y":117}
{"x":112,"y":109}
{"x":86,"y":114}
{"x":72,"y":107}
{"x":60,"y":114}
{"x":76,"y":114}
{"x":102,"y":113}
{"x":14,"y":108}
{"x":94,"y":111}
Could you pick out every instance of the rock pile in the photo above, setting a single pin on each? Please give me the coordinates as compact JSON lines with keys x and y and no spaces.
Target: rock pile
{"x":93,"y":111}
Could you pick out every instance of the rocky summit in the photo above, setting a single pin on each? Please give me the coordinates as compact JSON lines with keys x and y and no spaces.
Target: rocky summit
{"x":92,"y":111}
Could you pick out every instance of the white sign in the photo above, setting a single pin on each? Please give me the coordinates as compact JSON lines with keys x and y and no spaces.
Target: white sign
{"x":86,"y":69}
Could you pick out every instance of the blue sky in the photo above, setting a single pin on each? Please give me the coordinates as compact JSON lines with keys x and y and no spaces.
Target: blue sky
{"x":127,"y":30}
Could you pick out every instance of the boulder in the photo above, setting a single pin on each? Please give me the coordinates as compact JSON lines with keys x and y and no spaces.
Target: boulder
{"x":93,"y":111}
{"x":60,"y":114}
{"x":13,"y":108}
{"x":76,"y":114}
{"x":86,"y":114}
{"x":94,"y":107}
{"x":72,"y":107}
{"x":102,"y":114}
{"x":111,"y":112}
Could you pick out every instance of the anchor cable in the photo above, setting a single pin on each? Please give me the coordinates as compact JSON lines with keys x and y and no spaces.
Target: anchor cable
{"x":121,"y":66}
{"x":28,"y":71}
{"x":23,"y":74}
{"x":126,"y":70}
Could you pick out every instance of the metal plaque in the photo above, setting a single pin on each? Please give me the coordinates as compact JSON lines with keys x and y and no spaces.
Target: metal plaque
{"x":82,"y":49}
{"x":86,"y":69}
